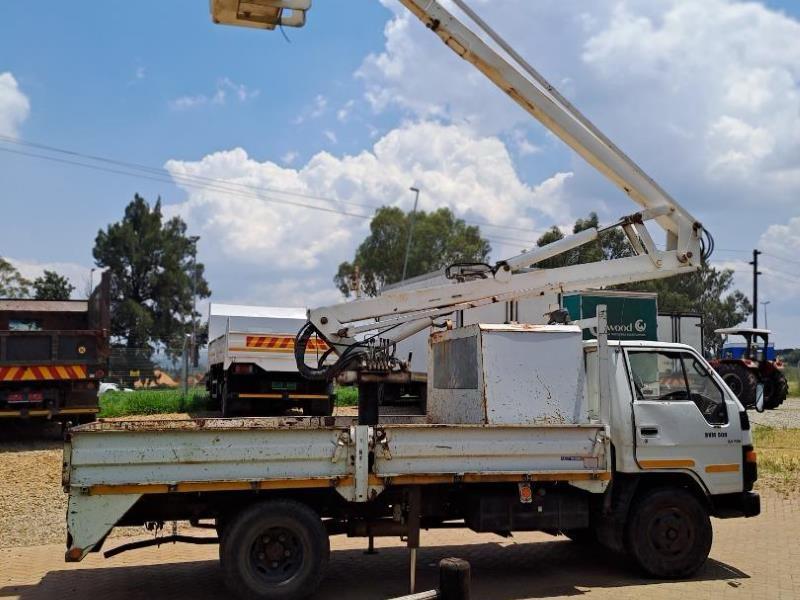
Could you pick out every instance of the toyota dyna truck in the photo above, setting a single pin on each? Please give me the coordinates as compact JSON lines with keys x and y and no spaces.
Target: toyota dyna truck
{"x":635,"y":444}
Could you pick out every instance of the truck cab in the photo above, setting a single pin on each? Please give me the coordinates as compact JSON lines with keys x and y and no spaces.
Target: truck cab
{"x":672,"y":413}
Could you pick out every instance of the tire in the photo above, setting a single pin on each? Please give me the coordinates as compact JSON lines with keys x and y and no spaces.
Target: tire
{"x":741,"y":380}
{"x":581,"y":536}
{"x":227,"y":403}
{"x":776,"y":388}
{"x":319,"y":408}
{"x":275,"y":550}
{"x":669,"y":533}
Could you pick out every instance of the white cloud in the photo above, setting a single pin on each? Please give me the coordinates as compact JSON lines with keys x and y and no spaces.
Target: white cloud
{"x":523,"y":145}
{"x":344,"y":112}
{"x":224,"y":89}
{"x":782,"y":240}
{"x":14,"y":105}
{"x":331,"y":136}
{"x":250,"y":239}
{"x":705,"y":94}
{"x":289,"y":157}
{"x":318,"y":108}
{"x":77,"y":274}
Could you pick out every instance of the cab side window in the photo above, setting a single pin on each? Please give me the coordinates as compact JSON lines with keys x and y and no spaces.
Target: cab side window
{"x":677,"y":377}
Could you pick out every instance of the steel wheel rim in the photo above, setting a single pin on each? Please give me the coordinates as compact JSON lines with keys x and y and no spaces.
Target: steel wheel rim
{"x":671,"y":533}
{"x":276,"y":555}
{"x":734,"y":382}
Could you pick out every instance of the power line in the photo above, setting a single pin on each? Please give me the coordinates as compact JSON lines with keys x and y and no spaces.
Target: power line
{"x":161,"y":171}
{"x":164,"y":179}
{"x":167,"y":176}
{"x":788,"y":260}
{"x":782,"y":274}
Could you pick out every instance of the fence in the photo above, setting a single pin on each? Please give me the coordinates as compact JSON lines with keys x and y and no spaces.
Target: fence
{"x":143,"y":368}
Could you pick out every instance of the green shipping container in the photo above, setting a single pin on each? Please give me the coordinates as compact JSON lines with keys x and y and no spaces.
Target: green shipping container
{"x":631,"y":315}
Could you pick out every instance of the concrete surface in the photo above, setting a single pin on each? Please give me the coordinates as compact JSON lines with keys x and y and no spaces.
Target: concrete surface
{"x":751,"y":558}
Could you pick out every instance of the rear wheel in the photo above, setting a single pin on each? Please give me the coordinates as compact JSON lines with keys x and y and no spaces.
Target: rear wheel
{"x":669,"y":533}
{"x":319,"y":408}
{"x":276,"y":550}
{"x":741,"y":380}
{"x":581,"y":536}
{"x":227,"y":401}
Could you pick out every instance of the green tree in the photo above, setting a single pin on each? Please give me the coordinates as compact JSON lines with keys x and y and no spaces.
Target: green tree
{"x":610,"y":244}
{"x":52,"y":286}
{"x":153,"y":275}
{"x":12,"y":284}
{"x":439,"y":239}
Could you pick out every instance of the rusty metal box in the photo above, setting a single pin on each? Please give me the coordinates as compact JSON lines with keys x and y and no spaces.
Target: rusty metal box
{"x":507,"y":375}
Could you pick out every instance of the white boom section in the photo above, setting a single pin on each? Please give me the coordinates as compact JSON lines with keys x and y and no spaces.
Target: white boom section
{"x":408,"y":312}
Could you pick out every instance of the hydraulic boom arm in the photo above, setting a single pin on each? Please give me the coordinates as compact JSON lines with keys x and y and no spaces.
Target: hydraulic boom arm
{"x":395,"y":315}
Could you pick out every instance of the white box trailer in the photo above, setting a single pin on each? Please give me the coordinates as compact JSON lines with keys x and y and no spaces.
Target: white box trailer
{"x":519,"y":437}
{"x":252,"y":368}
{"x":681,"y":328}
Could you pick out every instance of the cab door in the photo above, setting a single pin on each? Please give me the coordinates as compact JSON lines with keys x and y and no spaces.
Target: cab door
{"x":683,"y":419}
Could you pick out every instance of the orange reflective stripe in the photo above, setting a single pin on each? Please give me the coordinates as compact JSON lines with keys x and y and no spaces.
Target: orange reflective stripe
{"x":283,"y":342}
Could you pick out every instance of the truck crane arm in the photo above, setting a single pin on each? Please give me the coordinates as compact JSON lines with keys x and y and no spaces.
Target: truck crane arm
{"x":353,"y":328}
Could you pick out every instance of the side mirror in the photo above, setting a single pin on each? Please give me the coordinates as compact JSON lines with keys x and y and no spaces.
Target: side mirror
{"x":760,"y":397}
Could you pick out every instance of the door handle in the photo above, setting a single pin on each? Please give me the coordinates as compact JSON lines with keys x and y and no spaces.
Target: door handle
{"x":648,"y":431}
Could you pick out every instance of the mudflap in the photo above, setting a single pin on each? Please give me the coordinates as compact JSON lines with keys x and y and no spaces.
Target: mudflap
{"x":91,"y":518}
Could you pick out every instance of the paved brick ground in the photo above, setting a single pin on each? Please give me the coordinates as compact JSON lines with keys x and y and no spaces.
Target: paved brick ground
{"x":753,"y":558}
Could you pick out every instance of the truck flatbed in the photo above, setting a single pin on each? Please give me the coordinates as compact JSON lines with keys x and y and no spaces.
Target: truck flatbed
{"x":110,"y":465}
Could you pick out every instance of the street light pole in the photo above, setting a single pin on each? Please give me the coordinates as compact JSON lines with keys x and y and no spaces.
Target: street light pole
{"x":410,"y":231}
{"x":756,"y":273}
{"x":764,"y":304}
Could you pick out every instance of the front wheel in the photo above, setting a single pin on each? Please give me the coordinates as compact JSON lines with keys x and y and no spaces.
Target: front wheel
{"x":741,"y":380}
{"x":275,"y":550}
{"x":669,"y":533}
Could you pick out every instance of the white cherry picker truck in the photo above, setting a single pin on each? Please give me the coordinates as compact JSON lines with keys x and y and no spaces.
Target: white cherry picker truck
{"x":633,"y":444}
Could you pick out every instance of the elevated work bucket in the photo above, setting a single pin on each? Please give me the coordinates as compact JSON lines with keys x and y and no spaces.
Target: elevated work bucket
{"x":261,"y":14}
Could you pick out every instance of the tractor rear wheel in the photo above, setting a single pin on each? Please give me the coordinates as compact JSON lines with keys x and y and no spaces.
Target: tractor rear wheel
{"x":741,"y":380}
{"x":776,"y":389}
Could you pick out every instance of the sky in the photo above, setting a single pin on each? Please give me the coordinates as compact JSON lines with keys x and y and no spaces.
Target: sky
{"x":276,"y":149}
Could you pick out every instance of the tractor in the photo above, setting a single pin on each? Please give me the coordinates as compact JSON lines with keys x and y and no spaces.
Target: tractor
{"x":744,"y":366}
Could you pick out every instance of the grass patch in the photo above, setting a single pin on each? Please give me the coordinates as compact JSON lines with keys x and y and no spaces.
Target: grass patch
{"x":151,"y":402}
{"x":793,"y":379}
{"x":347,"y":396}
{"x":778,"y":457}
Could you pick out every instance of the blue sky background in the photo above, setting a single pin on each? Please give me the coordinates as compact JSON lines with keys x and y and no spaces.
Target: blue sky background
{"x":136,"y":82}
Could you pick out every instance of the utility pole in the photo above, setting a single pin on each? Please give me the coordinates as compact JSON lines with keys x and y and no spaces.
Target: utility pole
{"x":756,"y":273}
{"x":194,"y":239}
{"x":410,"y":232}
{"x":186,"y":342}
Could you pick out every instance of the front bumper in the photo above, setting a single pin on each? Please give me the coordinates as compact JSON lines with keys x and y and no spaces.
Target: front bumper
{"x":743,"y":504}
